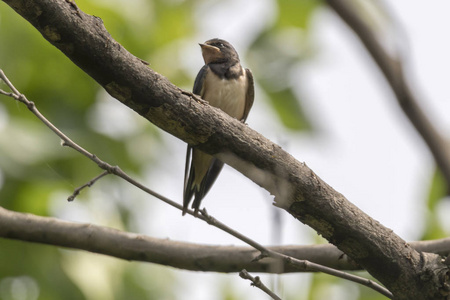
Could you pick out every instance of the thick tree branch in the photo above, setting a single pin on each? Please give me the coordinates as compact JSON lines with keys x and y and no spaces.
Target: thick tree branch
{"x":392,"y":67}
{"x":297,"y":189}
{"x":136,"y":247}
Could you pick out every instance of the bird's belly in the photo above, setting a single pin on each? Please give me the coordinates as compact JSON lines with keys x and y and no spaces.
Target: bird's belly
{"x":228,"y":95}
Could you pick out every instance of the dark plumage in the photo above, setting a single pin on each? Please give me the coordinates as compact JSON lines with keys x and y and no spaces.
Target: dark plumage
{"x":225,"y":84}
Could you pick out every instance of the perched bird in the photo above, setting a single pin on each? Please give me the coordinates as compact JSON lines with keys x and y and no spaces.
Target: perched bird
{"x":225,"y":84}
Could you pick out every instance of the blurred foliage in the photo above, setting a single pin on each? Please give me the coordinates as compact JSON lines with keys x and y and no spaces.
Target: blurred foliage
{"x":296,"y":13}
{"x":274,"y":71}
{"x":437,"y":192}
{"x":35,"y":170}
{"x":277,"y":52}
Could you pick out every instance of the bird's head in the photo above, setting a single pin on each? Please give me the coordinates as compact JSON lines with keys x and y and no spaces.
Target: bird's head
{"x":218,"y":51}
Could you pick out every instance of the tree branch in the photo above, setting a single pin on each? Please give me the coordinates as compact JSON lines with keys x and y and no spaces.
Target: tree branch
{"x":392,"y":68}
{"x":297,"y":189}
{"x":188,"y":256}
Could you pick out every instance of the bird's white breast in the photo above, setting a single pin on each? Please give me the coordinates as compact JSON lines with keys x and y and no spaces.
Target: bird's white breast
{"x":227,"y":94}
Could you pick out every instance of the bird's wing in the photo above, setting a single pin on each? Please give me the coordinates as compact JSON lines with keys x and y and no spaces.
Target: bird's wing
{"x":250,"y":95}
{"x":188,"y":191}
{"x":199,"y":80}
{"x":207,"y":182}
{"x":190,"y":187}
{"x":189,"y":174}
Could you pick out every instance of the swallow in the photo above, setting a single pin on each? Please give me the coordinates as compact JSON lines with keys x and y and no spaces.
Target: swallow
{"x":225,"y":84}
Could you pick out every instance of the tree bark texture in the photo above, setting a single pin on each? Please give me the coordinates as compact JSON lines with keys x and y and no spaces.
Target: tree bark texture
{"x":407,"y":273}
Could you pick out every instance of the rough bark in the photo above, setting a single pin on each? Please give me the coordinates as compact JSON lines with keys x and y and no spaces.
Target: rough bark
{"x":407,"y":273}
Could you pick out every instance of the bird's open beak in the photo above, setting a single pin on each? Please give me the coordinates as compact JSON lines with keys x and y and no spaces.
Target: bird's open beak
{"x":210,"y":53}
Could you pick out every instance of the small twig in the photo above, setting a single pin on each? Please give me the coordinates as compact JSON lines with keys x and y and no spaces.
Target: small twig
{"x":216,"y":223}
{"x":303,"y":265}
{"x":300,"y":264}
{"x":6,"y":93}
{"x":256,"y":281}
{"x":77,"y":191}
{"x":66,"y":141}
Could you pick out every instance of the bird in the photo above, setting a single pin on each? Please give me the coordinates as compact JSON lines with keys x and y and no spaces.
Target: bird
{"x":225,"y":84}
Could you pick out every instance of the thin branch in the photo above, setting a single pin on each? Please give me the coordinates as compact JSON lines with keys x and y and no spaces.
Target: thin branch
{"x":303,"y":265}
{"x":77,"y":191}
{"x":69,"y":143}
{"x":182,"y":255}
{"x":256,"y":281}
{"x":300,"y":264}
{"x":392,"y":67}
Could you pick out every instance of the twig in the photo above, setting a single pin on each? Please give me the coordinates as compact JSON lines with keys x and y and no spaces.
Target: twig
{"x":256,"y":281}
{"x":301,"y":264}
{"x":69,"y":143}
{"x":77,"y":191}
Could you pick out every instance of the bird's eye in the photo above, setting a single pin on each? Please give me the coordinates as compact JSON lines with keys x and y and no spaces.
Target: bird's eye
{"x":221,"y":45}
